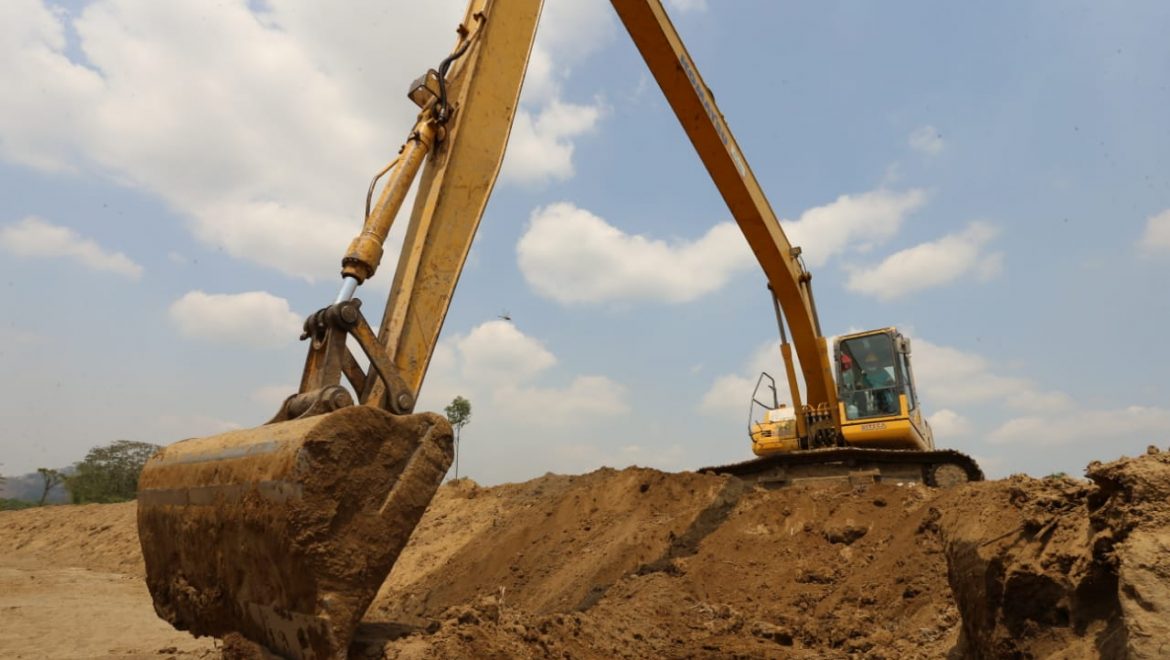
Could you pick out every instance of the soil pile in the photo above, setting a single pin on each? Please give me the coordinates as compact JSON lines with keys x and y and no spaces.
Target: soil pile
{"x":639,"y":563}
{"x":1066,"y":568}
{"x":100,"y":537}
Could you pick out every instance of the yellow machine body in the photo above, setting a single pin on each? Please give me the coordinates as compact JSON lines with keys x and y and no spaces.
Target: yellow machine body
{"x":885,"y":416}
{"x":776,"y":433}
{"x":281,"y":535}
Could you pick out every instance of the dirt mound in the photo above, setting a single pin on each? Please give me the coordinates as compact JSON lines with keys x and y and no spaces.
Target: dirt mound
{"x":1079,"y":569}
{"x":639,"y":563}
{"x":555,"y":544}
{"x":100,"y":537}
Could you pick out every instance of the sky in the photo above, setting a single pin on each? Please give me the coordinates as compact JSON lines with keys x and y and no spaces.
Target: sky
{"x":179,"y":180}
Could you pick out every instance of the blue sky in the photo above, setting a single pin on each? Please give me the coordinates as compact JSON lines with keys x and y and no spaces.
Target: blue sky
{"x":179,"y":180}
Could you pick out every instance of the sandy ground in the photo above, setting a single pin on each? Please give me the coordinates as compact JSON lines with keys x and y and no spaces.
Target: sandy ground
{"x":70,"y":612}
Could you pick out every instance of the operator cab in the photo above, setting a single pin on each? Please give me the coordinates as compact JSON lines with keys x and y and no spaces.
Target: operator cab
{"x":869,"y":377}
{"x":876,"y":393}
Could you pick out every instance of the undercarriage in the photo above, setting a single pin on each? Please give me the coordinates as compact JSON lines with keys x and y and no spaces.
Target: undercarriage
{"x":939,"y":468}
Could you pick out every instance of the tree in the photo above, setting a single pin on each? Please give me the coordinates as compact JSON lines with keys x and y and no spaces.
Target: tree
{"x":110,"y":473}
{"x":459,"y":414}
{"x":51,"y":479}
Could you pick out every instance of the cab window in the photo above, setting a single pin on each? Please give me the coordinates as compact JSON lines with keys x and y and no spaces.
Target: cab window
{"x":867,"y":377}
{"x":907,"y":382}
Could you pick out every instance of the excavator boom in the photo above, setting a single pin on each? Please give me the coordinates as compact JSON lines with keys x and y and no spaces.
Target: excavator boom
{"x":826,"y":441}
{"x":694,"y":105}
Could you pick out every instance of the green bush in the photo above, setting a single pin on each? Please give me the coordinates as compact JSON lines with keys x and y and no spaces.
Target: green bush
{"x":110,"y":473}
{"x":15,"y":505}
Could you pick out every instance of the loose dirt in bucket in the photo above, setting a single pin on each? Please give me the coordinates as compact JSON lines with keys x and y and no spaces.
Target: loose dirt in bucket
{"x":638,"y":563}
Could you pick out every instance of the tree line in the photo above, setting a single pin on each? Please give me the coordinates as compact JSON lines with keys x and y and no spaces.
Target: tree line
{"x":107,"y":474}
{"x":110,"y":473}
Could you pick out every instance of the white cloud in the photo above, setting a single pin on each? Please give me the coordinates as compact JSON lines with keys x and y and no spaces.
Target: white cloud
{"x":586,"y":397}
{"x":196,"y":103}
{"x":569,"y":33}
{"x":685,"y":6}
{"x":948,"y":424}
{"x":44,"y":111}
{"x":1132,"y":426}
{"x":496,"y":352}
{"x":199,"y":104}
{"x":926,"y":139}
{"x":950,"y":377}
{"x":931,"y":264}
{"x":273,"y":395}
{"x":260,"y":126}
{"x":34,"y":237}
{"x":730,"y":394}
{"x":572,"y":256}
{"x":498,"y":364}
{"x":541,"y":148}
{"x":1156,"y":238}
{"x":296,"y":240}
{"x":402,"y":37}
{"x":855,"y":222}
{"x":994,"y":467}
{"x":255,"y":318}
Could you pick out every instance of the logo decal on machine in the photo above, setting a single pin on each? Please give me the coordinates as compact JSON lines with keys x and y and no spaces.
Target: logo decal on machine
{"x":712,"y":114}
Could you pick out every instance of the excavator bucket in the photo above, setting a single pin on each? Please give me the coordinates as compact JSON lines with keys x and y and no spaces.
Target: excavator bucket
{"x":283,"y":534}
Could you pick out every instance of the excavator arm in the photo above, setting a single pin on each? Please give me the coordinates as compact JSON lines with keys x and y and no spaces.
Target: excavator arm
{"x":282,"y":534}
{"x":464,"y":158}
{"x":694,"y":105}
{"x":455,"y":185}
{"x":454,"y":188}
{"x":458,"y":178}
{"x":824,"y":445}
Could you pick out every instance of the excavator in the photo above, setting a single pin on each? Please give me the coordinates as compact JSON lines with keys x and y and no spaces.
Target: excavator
{"x":279,"y":536}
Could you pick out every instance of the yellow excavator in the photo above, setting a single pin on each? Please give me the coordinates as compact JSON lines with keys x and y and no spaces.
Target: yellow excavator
{"x":281,"y":535}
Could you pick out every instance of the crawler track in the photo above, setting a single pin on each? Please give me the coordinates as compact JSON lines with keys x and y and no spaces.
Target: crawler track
{"x":940,"y":468}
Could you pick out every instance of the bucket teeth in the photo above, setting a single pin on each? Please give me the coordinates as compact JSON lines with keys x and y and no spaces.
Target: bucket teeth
{"x":284,"y":533}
